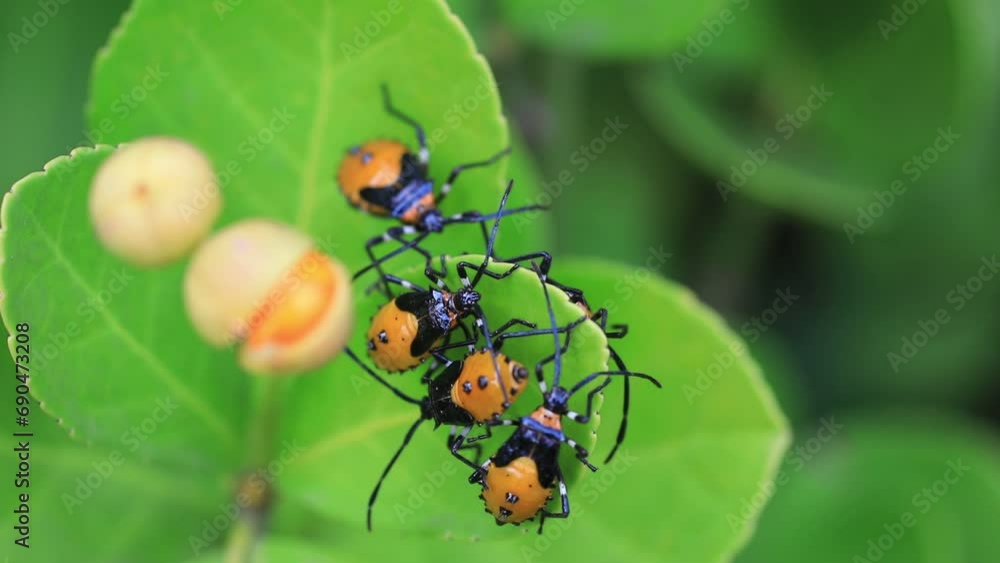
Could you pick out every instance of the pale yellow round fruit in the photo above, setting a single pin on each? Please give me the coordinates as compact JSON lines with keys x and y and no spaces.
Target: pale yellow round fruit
{"x":153,"y":199}
{"x":263,"y":287}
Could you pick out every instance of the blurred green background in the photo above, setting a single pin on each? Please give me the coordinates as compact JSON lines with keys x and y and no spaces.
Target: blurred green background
{"x":875,"y":208}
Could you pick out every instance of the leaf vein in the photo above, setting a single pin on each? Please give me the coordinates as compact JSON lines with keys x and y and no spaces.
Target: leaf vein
{"x":185,"y":394}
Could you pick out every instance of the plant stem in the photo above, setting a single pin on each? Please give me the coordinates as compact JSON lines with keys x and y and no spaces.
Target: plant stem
{"x":269,"y":393}
{"x":248,"y":528}
{"x":242,"y":541}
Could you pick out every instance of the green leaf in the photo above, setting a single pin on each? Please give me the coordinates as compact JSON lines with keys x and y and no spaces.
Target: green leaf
{"x":114,"y":355}
{"x":285,"y":550}
{"x":699,"y":445}
{"x":367,"y":423}
{"x":867,"y":476}
{"x":610,"y":30}
{"x":115,"y":339}
{"x":282,"y":109}
{"x":689,"y":463}
{"x":830,"y":158}
{"x":73,"y":489}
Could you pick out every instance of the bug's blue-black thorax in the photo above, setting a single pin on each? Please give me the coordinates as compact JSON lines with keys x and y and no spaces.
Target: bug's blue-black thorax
{"x":532,"y":424}
{"x":410,"y":195}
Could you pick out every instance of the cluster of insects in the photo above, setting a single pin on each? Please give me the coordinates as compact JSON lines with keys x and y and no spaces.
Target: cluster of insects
{"x":428,"y":325}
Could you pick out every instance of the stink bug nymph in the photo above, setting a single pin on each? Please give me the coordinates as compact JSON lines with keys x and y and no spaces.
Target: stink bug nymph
{"x":518,"y":480}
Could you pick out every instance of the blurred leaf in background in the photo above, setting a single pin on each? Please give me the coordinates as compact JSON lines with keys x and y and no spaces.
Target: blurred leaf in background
{"x":885,"y":488}
{"x":46,"y":76}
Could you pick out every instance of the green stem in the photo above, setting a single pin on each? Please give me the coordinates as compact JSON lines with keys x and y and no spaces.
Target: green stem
{"x":242,"y":541}
{"x":246,"y":531}
{"x":269,"y":393}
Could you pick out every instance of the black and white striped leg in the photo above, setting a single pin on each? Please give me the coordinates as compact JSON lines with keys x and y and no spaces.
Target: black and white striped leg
{"x":450,"y":181}
{"x":424,"y":154}
{"x":385,"y":472}
{"x":563,"y":500}
{"x":395,"y":234}
{"x":477,"y":449}
{"x":462,"y":270}
{"x":389,"y":278}
{"x":436,"y":278}
{"x":585,"y":418}
{"x":581,"y":453}
{"x":608,"y":375}
{"x":486,"y":435}
{"x":457,"y":445}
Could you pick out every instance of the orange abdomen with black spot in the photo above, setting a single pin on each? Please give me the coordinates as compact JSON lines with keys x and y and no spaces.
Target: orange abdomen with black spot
{"x":375,"y":164}
{"x":513,"y":492}
{"x":477,"y":390}
{"x":390,"y":338}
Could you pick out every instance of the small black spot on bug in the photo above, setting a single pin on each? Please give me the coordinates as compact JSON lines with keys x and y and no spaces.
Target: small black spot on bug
{"x":483,"y":381}
{"x":512,"y":498}
{"x":371,"y":344}
{"x":383,"y":337}
{"x":467,"y":387}
{"x":366,"y":158}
